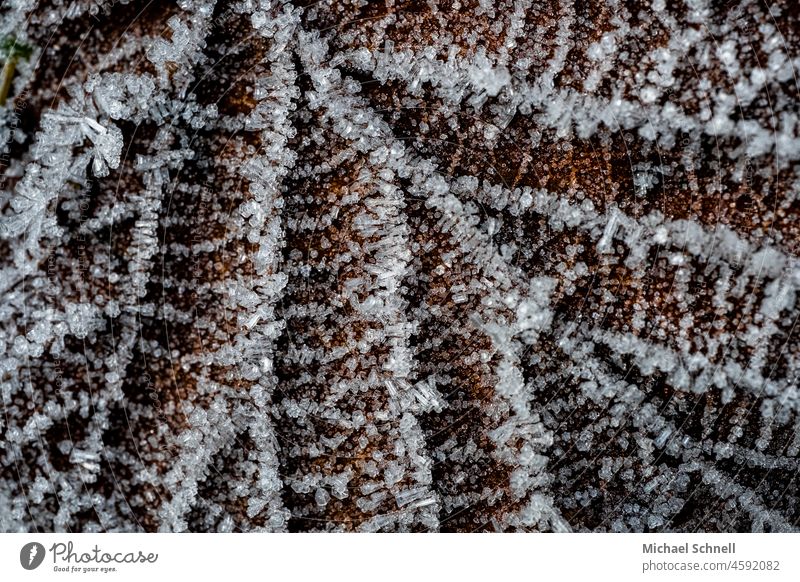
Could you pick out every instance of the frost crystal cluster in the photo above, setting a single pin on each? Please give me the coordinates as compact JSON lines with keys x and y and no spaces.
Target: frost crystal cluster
{"x":400,"y":265}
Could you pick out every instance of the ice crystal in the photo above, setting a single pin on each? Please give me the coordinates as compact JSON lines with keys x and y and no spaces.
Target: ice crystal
{"x":348,"y":266}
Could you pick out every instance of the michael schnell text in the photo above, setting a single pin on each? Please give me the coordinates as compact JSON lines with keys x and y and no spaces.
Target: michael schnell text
{"x":685,"y":548}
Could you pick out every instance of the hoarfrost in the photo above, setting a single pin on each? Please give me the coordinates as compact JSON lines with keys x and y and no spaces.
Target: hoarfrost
{"x":503,"y":268}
